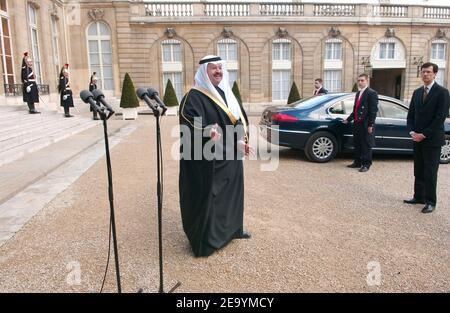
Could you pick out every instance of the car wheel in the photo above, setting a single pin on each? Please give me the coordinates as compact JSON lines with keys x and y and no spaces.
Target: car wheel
{"x":321,"y":147}
{"x":445,"y":151}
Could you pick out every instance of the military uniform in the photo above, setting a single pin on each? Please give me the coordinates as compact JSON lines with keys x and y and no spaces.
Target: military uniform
{"x":92,"y":87}
{"x":29,"y":87}
{"x":66,"y":95}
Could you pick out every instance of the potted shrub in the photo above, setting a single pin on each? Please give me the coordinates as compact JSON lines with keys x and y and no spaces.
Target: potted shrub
{"x":170,"y":99}
{"x":129,"y":101}
{"x":294,"y":95}
{"x":236,"y":92}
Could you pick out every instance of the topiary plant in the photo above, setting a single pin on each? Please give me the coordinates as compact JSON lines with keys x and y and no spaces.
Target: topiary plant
{"x":170,"y":96}
{"x":236,"y":92}
{"x":355,"y":88}
{"x":129,"y":98}
{"x":294,"y":95}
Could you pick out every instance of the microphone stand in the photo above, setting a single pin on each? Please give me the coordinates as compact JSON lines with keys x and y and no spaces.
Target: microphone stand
{"x":104,"y":118}
{"x":157,"y":115}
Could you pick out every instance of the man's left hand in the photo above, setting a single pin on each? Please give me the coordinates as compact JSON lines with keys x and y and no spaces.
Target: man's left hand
{"x":370,"y":130}
{"x":418,"y":137}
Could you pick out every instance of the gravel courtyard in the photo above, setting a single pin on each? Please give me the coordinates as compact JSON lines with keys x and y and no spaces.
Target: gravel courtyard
{"x":315,"y":227}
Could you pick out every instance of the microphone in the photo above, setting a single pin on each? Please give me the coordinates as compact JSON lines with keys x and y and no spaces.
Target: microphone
{"x":88,"y":97}
{"x":153,"y":94}
{"x":142,"y":94}
{"x":100,"y":97}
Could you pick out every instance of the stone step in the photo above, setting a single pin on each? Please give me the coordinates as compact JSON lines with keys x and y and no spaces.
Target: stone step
{"x":10,"y":116}
{"x":19,"y":119}
{"x":38,"y":133}
{"x":19,"y":124}
{"x":43,"y":124}
{"x":50,"y":137}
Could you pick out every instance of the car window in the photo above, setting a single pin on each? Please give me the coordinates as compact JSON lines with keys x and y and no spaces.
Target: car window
{"x":344,"y":107}
{"x":313,"y":101}
{"x":392,"y":110}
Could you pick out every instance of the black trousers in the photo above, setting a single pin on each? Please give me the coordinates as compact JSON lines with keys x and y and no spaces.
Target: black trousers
{"x":363,"y":142}
{"x":426,"y":165}
{"x":31,"y":107}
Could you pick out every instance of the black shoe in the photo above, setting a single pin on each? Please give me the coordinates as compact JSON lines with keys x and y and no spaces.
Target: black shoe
{"x":363,"y":169}
{"x":242,"y":235}
{"x":353,"y":165}
{"x":414,"y":201}
{"x":96,"y":118}
{"x":428,"y":208}
{"x":35,"y":112}
{"x":68,"y":115}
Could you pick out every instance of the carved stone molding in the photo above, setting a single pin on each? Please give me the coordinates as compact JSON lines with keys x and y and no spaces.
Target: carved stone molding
{"x":227,"y":33}
{"x":282,"y":32}
{"x":170,"y":32}
{"x":96,"y":14}
{"x":390,"y":32}
{"x":441,"y":33}
{"x":54,"y":12}
{"x":334,"y":32}
{"x":34,"y":4}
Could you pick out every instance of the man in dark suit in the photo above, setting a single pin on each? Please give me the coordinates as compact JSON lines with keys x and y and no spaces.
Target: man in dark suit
{"x":364,"y":114}
{"x":318,"y":87}
{"x":427,"y":112}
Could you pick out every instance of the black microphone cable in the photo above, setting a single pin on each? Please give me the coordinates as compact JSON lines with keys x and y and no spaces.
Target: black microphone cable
{"x":109,"y":254}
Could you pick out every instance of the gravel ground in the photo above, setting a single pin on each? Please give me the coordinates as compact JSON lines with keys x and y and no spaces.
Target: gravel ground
{"x":315,"y":228}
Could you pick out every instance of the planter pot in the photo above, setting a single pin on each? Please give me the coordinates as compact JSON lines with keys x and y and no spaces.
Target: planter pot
{"x":172,"y":111}
{"x":129,"y":113}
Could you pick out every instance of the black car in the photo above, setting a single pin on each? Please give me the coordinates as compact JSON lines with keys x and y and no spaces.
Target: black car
{"x":315,"y":125}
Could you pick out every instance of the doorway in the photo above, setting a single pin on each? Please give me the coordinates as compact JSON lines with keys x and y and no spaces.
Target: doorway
{"x":388,"y":82}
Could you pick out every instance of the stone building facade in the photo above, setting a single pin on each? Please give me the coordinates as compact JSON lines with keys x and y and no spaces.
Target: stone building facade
{"x":267,"y":45}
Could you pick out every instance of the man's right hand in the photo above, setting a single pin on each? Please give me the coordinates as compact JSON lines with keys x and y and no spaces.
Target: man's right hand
{"x":214,"y":133}
{"x":29,"y":89}
{"x":344,"y":121}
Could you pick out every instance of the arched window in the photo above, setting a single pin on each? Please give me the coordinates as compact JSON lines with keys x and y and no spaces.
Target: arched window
{"x":228,"y":51}
{"x":332,"y":65}
{"x":439,"y":57}
{"x":33,"y":27}
{"x":5,"y":45}
{"x":281,"y":68}
{"x":172,"y":65}
{"x":100,"y":54}
{"x":389,"y":52}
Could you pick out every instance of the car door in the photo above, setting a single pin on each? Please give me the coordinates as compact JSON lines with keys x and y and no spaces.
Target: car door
{"x":340,"y":111}
{"x":391,"y":130}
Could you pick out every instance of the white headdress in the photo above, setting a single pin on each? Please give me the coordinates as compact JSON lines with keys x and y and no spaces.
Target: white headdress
{"x":202,"y":80}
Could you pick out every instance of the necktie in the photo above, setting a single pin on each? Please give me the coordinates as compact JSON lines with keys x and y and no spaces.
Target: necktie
{"x":425,"y":94}
{"x":358,"y":102}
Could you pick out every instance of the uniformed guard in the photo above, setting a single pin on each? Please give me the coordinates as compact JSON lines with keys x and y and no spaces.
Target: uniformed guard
{"x":29,"y":86}
{"x":66,"y":93}
{"x":92,"y":87}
